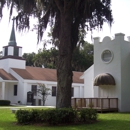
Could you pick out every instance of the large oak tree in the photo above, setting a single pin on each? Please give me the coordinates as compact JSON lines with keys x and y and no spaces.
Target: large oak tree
{"x":66,"y":17}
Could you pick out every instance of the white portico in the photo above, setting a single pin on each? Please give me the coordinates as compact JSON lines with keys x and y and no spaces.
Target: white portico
{"x":7,"y":84}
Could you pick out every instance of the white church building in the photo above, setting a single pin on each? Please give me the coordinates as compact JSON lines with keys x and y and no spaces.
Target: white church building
{"x":108,"y":78}
{"x":17,"y":80}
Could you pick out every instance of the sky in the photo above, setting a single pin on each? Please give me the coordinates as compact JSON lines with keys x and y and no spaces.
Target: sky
{"x":28,"y":40}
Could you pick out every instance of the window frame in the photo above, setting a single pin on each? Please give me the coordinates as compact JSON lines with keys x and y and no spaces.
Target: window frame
{"x":5,"y":51}
{"x":34,"y":89}
{"x":15,"y":90}
{"x":16,"y":51}
{"x":54,"y":91}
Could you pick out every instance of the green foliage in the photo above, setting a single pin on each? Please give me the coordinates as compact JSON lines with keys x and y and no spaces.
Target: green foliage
{"x":86,"y":14}
{"x":29,"y":58}
{"x":106,"y":121}
{"x":56,"y":116}
{"x":4,"y":102}
{"x":87,"y":115}
{"x":82,"y":58}
{"x":47,"y":58}
{"x":24,"y":116}
{"x":61,"y":116}
{"x":43,"y":92}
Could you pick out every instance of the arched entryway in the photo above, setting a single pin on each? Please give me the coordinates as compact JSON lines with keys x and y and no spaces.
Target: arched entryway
{"x":106,"y":84}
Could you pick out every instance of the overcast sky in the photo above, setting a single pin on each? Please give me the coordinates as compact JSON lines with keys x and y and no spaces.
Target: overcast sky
{"x":121,"y":15}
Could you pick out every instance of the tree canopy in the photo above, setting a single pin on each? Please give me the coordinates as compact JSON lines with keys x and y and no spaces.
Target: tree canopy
{"x":29,"y":58}
{"x":68,"y":18}
{"x":82,"y":58}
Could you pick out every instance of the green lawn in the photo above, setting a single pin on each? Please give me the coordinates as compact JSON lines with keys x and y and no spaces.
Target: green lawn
{"x":111,"y":121}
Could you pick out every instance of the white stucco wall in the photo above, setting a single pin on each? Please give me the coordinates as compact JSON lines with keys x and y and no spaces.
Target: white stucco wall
{"x":3,"y":50}
{"x":82,"y":91}
{"x":51,"y":100}
{"x":114,"y":67}
{"x":8,"y":63}
{"x":21,"y":88}
{"x":107,"y":91}
{"x":10,"y":50}
{"x":9,"y":92}
{"x":20,"y":52}
{"x":88,"y":82}
{"x":125,"y":76}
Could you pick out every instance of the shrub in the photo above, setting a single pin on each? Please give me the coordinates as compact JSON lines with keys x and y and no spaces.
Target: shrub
{"x":66,"y":115}
{"x":55,"y":116}
{"x":24,"y":116}
{"x":86,"y":115}
{"x":35,"y":115}
{"x":60,"y":116}
{"x":4,"y":102}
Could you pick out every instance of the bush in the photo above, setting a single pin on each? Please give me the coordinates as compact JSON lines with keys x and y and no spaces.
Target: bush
{"x":55,"y":116}
{"x":24,"y":116}
{"x":66,"y":115}
{"x":60,"y":116}
{"x":86,"y":115}
{"x":4,"y":102}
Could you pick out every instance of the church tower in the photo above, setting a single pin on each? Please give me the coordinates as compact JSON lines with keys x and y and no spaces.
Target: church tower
{"x":12,"y":54}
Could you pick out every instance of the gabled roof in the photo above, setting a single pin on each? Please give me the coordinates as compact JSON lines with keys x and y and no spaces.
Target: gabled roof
{"x":6,"y":76}
{"x":45,"y":74}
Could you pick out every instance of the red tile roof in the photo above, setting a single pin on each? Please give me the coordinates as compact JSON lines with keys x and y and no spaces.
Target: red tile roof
{"x":37,"y":73}
{"x":6,"y":76}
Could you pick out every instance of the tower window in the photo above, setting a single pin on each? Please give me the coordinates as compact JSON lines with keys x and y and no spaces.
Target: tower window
{"x":16,"y":51}
{"x":6,"y":51}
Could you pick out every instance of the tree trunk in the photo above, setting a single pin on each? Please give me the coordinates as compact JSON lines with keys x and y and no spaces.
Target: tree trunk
{"x":43,"y":100}
{"x":64,"y":69}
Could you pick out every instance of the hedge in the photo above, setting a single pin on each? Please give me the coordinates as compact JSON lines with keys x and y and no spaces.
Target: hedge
{"x":56,"y":116}
{"x":4,"y":102}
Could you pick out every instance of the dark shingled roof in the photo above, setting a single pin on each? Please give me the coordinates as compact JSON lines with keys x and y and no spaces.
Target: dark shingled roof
{"x":6,"y":76}
{"x":104,"y":79}
{"x":45,"y":74}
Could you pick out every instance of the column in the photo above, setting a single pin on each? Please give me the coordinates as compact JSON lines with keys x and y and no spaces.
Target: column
{"x":24,"y":95}
{"x":81,"y":91}
{"x":3,"y":90}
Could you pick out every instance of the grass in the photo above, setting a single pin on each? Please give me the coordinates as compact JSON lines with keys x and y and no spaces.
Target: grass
{"x":109,"y":121}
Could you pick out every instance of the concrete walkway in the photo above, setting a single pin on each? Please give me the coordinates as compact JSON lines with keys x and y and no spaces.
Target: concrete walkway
{"x":21,"y":106}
